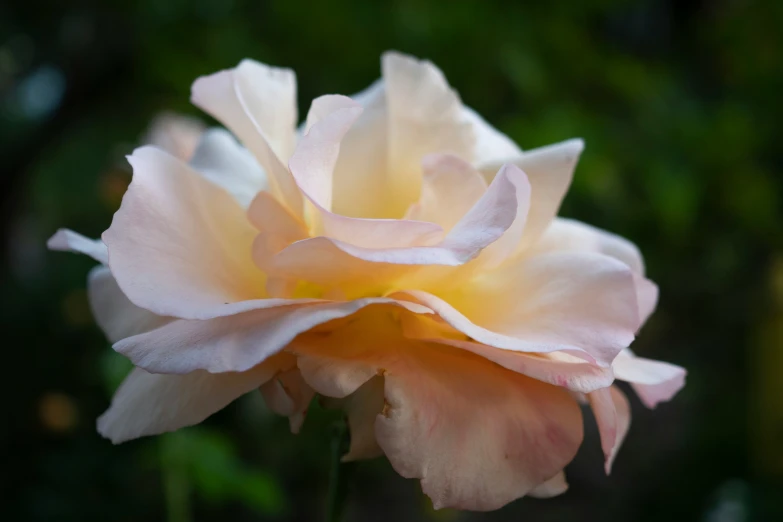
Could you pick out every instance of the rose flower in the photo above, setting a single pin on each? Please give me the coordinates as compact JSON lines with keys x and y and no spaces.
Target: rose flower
{"x":398,"y":257}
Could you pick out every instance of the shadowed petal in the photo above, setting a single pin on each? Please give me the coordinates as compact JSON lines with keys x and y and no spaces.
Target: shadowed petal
{"x":613,"y":416}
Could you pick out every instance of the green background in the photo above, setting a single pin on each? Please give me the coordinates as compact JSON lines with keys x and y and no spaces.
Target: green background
{"x":679,"y":105}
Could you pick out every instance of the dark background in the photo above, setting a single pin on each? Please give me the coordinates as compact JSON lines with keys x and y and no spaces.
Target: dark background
{"x":679,"y":104}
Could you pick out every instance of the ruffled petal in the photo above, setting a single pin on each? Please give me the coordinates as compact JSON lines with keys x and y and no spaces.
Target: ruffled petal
{"x":150,"y":404}
{"x":578,"y":302}
{"x":236,"y":343}
{"x":289,"y":395}
{"x":179,"y":245}
{"x":550,"y":170}
{"x":258,"y":104}
{"x":613,"y":416}
{"x":432,"y":424}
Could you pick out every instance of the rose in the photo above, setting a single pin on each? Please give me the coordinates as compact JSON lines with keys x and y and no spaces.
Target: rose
{"x":400,"y":258}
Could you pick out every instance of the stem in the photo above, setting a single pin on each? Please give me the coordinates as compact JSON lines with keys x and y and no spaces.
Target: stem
{"x":176,"y":485}
{"x":340,"y":472}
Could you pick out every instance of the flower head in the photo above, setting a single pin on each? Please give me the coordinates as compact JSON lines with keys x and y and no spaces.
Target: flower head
{"x":397,"y":255}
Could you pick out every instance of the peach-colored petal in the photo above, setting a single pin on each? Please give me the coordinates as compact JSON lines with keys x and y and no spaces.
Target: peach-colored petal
{"x":578,"y":302}
{"x":238,"y":342}
{"x":114,"y":313}
{"x":69,"y":241}
{"x":179,"y":245}
{"x":223,"y":161}
{"x":450,"y":188}
{"x":550,"y":170}
{"x":424,"y":116}
{"x":653,"y":381}
{"x":553,"y":487}
{"x":362,"y":407}
{"x":150,"y":404}
{"x":257,"y":103}
{"x":289,"y":395}
{"x":556,"y":368}
{"x":435,"y":428}
{"x":613,"y":416}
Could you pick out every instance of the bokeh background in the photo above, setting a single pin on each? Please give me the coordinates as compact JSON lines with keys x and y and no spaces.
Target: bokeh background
{"x":680,"y":106}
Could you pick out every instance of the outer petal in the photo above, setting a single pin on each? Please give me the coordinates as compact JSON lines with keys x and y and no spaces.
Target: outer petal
{"x":238,"y":342}
{"x":69,"y":241}
{"x":114,"y":313}
{"x":149,"y":404}
{"x":435,"y":428}
{"x":450,"y":188}
{"x":425,"y":115}
{"x":287,"y":394}
{"x":581,"y":303}
{"x":560,"y":369}
{"x":224,"y":162}
{"x":553,"y":487}
{"x":180,"y":245}
{"x":653,"y":381}
{"x":570,"y":235}
{"x":258,"y":104}
{"x":550,"y":170}
{"x":362,"y":408}
{"x":613,"y":415}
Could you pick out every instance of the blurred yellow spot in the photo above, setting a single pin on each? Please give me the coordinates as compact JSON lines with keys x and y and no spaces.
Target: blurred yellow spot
{"x":57,"y":412}
{"x":112,"y":187}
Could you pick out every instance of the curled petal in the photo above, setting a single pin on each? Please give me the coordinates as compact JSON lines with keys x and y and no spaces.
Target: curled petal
{"x":289,"y":395}
{"x":613,"y":415}
{"x":150,"y":404}
{"x":550,"y":170}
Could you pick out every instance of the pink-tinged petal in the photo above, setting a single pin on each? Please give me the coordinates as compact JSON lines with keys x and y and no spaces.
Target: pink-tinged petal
{"x":578,"y":302}
{"x":450,"y":188}
{"x":362,"y":407}
{"x":257,"y":103}
{"x":289,"y":395}
{"x":550,"y":170}
{"x":553,"y":487}
{"x":424,"y":116}
{"x":114,"y":313}
{"x":653,"y":381}
{"x":326,"y":261}
{"x":556,"y":368}
{"x":150,"y":404}
{"x":570,"y":235}
{"x":236,"y":343}
{"x":69,"y":241}
{"x":434,"y":427}
{"x":224,"y":162}
{"x":613,"y":416}
{"x":179,"y":245}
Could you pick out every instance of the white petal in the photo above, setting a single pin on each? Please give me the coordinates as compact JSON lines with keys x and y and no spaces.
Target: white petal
{"x":492,"y":146}
{"x":69,"y":241}
{"x":223,"y":161}
{"x":653,"y":381}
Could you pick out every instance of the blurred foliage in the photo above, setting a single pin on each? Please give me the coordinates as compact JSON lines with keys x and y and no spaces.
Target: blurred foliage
{"x":678,"y":102}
